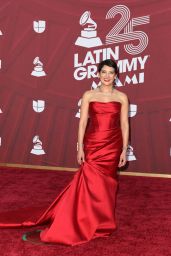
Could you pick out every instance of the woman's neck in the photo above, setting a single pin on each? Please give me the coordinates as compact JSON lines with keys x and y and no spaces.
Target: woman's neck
{"x":106,"y":88}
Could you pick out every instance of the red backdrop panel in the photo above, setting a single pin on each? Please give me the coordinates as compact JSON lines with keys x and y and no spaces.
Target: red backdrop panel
{"x":145,"y":76}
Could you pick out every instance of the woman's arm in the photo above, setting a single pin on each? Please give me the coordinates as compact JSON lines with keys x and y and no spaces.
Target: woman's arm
{"x":124,"y":129}
{"x":82,"y":125}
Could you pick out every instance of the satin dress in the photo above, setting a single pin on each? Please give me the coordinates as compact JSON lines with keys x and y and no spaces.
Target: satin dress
{"x":85,"y":209}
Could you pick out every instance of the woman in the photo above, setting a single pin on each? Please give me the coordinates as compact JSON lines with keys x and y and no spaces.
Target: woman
{"x":107,"y":72}
{"x":85,"y":209}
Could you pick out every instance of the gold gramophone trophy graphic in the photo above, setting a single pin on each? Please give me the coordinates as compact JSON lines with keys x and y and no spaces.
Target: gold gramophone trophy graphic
{"x":88,"y":36}
{"x":37,"y":147}
{"x":38,"y":69}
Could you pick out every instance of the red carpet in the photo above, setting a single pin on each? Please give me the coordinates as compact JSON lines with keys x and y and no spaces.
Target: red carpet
{"x":143,"y":215}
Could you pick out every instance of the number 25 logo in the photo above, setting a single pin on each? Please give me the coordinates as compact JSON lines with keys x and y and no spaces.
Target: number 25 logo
{"x":114,"y":35}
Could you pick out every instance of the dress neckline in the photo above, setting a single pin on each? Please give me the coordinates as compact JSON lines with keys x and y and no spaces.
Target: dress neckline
{"x":105,"y":102}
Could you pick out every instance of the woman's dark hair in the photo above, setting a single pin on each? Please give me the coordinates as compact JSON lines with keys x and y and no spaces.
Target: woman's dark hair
{"x":109,"y":63}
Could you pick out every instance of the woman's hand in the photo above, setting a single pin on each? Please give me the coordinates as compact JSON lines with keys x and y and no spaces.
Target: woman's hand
{"x":123,"y":159}
{"x":80,"y":156}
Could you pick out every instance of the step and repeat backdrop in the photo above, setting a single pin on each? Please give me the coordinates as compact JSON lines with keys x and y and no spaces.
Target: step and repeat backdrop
{"x":49,"y":52}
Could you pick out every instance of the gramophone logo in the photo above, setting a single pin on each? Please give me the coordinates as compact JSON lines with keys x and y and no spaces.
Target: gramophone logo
{"x":130,"y":153}
{"x":37,"y":146}
{"x":38,"y":69}
{"x":38,"y":106}
{"x":39,"y":26}
{"x":78,"y":113}
{"x":88,"y":36}
{"x":1,"y":33}
{"x":1,"y":111}
{"x":132,"y":110}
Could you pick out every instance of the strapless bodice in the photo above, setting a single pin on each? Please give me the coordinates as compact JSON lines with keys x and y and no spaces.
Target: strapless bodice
{"x":103,"y":116}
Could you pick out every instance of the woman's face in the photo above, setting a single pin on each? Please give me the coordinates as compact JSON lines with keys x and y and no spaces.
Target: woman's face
{"x":107,"y":75}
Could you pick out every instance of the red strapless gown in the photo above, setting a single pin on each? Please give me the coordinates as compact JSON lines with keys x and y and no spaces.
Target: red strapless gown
{"x":85,"y":209}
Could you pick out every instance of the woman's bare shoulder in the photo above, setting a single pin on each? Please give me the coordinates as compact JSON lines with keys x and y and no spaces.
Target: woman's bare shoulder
{"x":88,"y":94}
{"x":122,"y":96}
